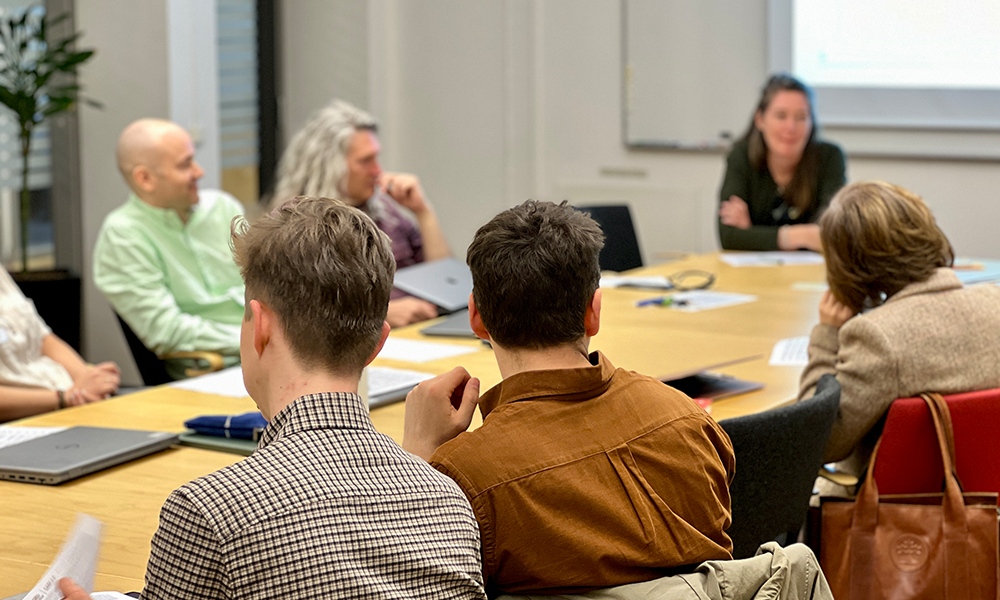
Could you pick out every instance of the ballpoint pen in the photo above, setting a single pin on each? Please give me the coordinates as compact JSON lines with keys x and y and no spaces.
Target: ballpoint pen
{"x":662,"y":301}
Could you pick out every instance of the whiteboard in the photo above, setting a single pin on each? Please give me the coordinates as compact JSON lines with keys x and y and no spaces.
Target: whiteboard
{"x":692,"y":71}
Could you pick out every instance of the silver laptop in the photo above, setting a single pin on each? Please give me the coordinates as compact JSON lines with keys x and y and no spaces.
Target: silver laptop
{"x":454,"y":325}
{"x":77,"y":451}
{"x":446,"y":283}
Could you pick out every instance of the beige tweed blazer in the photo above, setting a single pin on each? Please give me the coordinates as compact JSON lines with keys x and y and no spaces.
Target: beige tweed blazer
{"x":933,"y":336}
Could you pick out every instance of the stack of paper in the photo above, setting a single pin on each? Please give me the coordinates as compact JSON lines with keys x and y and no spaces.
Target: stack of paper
{"x":770,"y":259}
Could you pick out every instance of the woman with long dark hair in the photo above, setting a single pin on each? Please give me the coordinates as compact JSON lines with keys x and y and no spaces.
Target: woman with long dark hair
{"x":779,"y":177}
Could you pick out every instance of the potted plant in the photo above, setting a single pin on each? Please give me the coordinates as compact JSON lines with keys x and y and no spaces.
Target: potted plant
{"x":37,"y":80}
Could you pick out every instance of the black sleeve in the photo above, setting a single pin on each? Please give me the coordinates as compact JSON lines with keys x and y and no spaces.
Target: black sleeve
{"x":737,"y":182}
{"x":831,"y":177}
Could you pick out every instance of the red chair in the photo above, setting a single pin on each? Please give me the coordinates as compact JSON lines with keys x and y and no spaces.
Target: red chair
{"x":909,"y":460}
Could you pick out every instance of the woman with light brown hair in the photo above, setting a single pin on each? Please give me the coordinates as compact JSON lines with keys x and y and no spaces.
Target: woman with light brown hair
{"x":896,"y":320}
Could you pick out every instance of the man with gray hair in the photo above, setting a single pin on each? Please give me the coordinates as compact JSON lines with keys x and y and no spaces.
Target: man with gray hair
{"x":336,"y":154}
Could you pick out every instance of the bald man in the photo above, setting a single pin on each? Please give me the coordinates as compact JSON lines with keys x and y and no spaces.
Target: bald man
{"x":163,"y":259}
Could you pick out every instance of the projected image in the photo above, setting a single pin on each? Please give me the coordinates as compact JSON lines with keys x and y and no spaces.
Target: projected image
{"x":897,"y":43}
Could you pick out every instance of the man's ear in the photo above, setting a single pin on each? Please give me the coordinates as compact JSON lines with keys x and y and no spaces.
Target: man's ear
{"x":381,"y":342}
{"x":263,"y":325}
{"x":142,"y":178}
{"x":476,"y":321}
{"x":592,"y":318}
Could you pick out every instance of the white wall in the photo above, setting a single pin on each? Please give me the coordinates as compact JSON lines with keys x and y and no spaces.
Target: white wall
{"x":492,"y":103}
{"x":193,"y":67}
{"x":129,"y":76}
{"x":323,"y":54}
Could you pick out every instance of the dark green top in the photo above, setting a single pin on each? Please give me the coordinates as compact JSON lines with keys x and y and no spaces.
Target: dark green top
{"x":768,"y":210}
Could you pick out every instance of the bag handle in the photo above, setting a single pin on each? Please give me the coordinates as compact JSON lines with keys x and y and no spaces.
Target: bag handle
{"x":945,"y":413}
{"x":865,"y":518}
{"x":956,"y":526}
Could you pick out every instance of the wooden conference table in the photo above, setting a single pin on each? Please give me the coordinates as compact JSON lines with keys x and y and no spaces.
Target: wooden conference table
{"x":656,"y":341}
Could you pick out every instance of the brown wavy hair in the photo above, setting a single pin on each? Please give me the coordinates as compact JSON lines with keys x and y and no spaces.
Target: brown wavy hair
{"x":801,"y":190}
{"x":877,"y":239}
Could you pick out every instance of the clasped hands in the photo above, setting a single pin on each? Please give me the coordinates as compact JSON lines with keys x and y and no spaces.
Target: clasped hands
{"x":98,"y":382}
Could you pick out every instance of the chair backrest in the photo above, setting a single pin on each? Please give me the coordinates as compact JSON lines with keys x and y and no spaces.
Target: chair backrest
{"x":909,"y":460}
{"x":778,"y":454}
{"x":621,"y":248}
{"x":151,"y":368}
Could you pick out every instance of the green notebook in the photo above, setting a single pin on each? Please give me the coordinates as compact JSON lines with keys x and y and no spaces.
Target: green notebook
{"x":221,"y":444}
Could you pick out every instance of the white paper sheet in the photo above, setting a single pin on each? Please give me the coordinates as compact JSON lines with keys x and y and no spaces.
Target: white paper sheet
{"x":420,"y":352}
{"x":770,"y":259}
{"x":810,"y":286}
{"x":227,"y":382}
{"x":15,"y":435}
{"x":386,"y":380}
{"x":653,"y":282}
{"x":790,"y":352}
{"x":699,"y":300}
{"x":77,"y":560}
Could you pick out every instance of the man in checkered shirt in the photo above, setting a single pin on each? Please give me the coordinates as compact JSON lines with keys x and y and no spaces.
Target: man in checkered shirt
{"x":326,"y":506}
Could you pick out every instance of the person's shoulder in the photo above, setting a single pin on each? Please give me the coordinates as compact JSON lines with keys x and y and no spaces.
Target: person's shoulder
{"x":121,"y":217}
{"x":740,"y":149}
{"x":126,"y":225}
{"x":985,"y":290}
{"x":829,"y":150}
{"x":218,"y":201}
{"x":224,"y":498}
{"x":638,"y":385}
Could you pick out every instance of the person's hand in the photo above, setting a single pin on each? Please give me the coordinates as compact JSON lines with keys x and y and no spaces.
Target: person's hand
{"x":797,"y":237}
{"x":735,"y":213}
{"x":408,"y":310}
{"x":97,"y":383}
{"x":71,"y":591}
{"x":439,"y":409}
{"x":404,"y":189}
{"x":832,"y":312}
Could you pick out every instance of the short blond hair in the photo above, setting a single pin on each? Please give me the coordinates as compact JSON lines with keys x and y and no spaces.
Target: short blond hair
{"x":877,"y":239}
{"x":326,"y":271}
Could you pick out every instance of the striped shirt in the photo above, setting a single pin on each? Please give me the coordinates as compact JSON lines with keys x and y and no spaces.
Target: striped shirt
{"x":326,"y":507}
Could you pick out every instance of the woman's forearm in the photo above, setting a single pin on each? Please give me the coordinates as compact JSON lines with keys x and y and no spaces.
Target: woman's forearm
{"x":18,"y":402}
{"x":65,"y":355}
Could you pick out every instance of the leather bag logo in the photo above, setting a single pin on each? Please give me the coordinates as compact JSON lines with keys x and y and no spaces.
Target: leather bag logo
{"x":909,"y":552}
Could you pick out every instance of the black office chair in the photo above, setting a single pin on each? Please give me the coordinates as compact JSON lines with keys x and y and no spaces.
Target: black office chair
{"x":778,"y":454}
{"x":152,"y":368}
{"x":621,"y":248}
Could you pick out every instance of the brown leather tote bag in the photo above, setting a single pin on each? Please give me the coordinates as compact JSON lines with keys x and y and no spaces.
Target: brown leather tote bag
{"x":933,"y":546}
